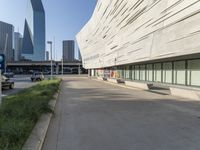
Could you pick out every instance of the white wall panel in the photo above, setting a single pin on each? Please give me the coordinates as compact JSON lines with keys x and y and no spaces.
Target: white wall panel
{"x":133,"y":31}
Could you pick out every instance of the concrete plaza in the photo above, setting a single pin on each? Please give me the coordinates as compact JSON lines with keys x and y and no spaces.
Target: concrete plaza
{"x":93,"y":115}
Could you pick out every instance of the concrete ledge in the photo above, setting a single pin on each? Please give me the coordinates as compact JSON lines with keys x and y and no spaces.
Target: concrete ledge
{"x":99,"y":78}
{"x":102,"y":78}
{"x":144,"y":86}
{"x":185,"y":93}
{"x":38,"y":134}
{"x":112,"y":80}
{"x":120,"y":81}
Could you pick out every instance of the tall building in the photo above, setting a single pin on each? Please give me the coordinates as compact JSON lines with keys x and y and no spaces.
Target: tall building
{"x":154,"y":41}
{"x":17,"y":46}
{"x":47,"y":55}
{"x":79,"y":55}
{"x":6,"y":40}
{"x":33,"y":47}
{"x":68,"y":50}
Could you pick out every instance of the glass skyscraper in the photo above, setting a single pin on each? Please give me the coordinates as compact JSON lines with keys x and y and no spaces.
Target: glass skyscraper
{"x":17,"y":46}
{"x":6,"y":40}
{"x":33,"y":47}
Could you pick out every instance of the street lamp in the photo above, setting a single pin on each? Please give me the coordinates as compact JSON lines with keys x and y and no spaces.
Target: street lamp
{"x":62,"y":65}
{"x":5,"y":50}
{"x":50,"y":43}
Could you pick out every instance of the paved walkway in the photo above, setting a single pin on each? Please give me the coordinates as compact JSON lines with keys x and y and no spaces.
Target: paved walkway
{"x":92,"y":115}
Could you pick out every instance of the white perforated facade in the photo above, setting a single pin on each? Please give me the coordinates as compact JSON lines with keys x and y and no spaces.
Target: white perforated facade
{"x":131,"y":32}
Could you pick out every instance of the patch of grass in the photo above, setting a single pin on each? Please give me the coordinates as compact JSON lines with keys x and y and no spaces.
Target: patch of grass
{"x":20,"y":112}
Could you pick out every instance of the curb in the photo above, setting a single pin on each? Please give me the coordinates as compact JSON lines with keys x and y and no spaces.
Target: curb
{"x":38,"y":134}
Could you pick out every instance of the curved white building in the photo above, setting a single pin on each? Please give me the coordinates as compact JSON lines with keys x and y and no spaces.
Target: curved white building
{"x":144,"y":40}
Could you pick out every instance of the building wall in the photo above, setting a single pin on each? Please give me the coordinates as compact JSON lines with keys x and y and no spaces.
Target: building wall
{"x":17,"y":46}
{"x":47,"y":55}
{"x":68,"y":50}
{"x":8,"y":29}
{"x":134,"y":31}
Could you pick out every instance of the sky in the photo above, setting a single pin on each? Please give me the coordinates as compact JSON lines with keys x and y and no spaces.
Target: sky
{"x":64,"y":18}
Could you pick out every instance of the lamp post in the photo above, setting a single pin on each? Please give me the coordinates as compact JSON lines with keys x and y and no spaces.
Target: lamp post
{"x":62,"y":65}
{"x":50,"y":43}
{"x":5,"y":49}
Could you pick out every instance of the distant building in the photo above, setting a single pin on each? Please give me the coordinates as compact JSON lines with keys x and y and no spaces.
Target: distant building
{"x":17,"y":46}
{"x":68,"y":50}
{"x":47,"y":55}
{"x":6,"y":32}
{"x":33,"y":47}
{"x":79,"y":55}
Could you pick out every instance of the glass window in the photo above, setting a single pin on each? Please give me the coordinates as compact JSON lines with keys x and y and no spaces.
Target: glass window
{"x":149,"y":72}
{"x":167,"y":72}
{"x":157,"y":72}
{"x":194,"y":72}
{"x":137,"y":73}
{"x":179,"y":72}
{"x":127,"y":72}
{"x":142,"y":73}
{"x":133,"y":72}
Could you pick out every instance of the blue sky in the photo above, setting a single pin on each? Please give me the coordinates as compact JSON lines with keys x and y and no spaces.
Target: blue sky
{"x":64,"y":18}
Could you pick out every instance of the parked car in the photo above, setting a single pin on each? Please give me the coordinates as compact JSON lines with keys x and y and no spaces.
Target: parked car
{"x":47,"y":72}
{"x":7,"y":83}
{"x":37,"y":76}
{"x":9,"y":74}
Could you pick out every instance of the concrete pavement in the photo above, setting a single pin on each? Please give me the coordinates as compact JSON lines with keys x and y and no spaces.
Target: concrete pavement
{"x":92,"y":115}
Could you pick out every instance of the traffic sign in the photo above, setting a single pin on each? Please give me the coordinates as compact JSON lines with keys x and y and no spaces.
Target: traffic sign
{"x":2,"y":62}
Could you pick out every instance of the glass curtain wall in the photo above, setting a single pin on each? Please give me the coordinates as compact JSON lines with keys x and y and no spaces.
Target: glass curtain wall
{"x":193,"y":73}
{"x":157,"y":72}
{"x":149,"y":72}
{"x":142,"y":72}
{"x":137,"y":72}
{"x":167,"y":72}
{"x":185,"y":72}
{"x":179,"y":72}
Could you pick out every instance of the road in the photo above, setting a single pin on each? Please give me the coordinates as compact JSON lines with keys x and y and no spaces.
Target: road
{"x":21,"y":82}
{"x":92,"y":115}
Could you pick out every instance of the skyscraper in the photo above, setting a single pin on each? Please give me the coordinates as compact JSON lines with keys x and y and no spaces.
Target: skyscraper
{"x":68,"y":50}
{"x":47,"y":55}
{"x":33,"y":47}
{"x":17,"y":46}
{"x":79,"y":55}
{"x":6,"y":40}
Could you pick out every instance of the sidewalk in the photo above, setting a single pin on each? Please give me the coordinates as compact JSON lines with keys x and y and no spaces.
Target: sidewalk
{"x":92,"y":115}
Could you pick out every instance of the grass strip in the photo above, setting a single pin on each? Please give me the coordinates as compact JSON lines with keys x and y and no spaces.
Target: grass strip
{"x":20,"y":112}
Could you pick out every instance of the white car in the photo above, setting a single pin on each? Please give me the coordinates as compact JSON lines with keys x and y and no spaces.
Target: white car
{"x":37,"y":76}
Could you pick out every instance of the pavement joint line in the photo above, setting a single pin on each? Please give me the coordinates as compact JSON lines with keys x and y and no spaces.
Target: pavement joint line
{"x":124,"y":86}
{"x":37,"y":137}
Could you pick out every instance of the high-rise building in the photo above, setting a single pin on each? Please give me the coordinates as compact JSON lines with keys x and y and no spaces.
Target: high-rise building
{"x":68,"y":50}
{"x":17,"y":46}
{"x":6,"y":40}
{"x":47,"y":55}
{"x":152,"y":41}
{"x":79,"y":55}
{"x":33,"y":47}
